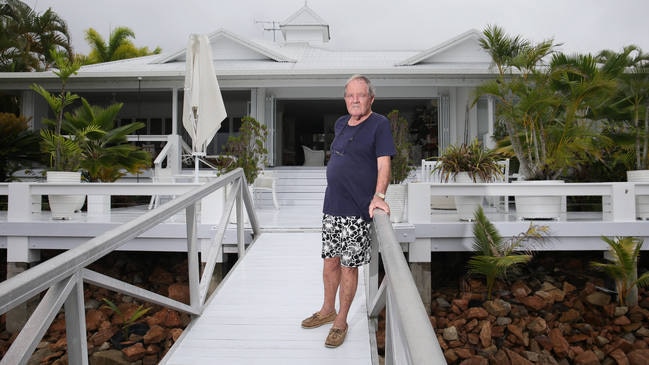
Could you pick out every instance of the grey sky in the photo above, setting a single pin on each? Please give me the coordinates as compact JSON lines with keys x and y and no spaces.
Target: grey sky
{"x":581,"y":25}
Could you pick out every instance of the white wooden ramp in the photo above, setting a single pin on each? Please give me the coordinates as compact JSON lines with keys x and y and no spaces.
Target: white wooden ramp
{"x":255,"y":316}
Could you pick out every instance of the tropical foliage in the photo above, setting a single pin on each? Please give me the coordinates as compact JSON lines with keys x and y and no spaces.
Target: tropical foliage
{"x":18,"y":145}
{"x":118,"y":47}
{"x":106,"y":154}
{"x":480,"y":163}
{"x":494,"y":257}
{"x":400,"y":166}
{"x":623,"y":268}
{"x":627,"y":112}
{"x":248,"y":148}
{"x":546,"y":107}
{"x":64,"y":154}
{"x":27,"y":39}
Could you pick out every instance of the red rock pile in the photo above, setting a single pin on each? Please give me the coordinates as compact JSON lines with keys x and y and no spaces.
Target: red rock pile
{"x":560,"y":316}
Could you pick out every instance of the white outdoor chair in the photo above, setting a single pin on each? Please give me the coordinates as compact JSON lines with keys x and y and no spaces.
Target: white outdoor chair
{"x":429,"y":174}
{"x":313,"y":157}
{"x":265,"y":182}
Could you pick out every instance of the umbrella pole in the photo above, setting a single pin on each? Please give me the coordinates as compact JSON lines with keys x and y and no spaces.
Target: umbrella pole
{"x":197,"y":158}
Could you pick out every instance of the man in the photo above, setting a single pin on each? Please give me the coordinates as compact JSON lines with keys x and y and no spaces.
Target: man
{"x":358,"y":174}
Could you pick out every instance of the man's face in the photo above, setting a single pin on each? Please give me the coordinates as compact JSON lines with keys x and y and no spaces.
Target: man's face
{"x":358,"y":99}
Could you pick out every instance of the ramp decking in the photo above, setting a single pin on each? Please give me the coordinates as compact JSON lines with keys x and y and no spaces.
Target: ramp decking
{"x":254,"y":317}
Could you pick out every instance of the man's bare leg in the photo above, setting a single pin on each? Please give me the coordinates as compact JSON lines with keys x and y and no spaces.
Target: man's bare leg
{"x":348,"y":284}
{"x":331,"y":274}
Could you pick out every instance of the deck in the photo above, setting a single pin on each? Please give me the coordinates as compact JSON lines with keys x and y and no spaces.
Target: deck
{"x":255,"y":315}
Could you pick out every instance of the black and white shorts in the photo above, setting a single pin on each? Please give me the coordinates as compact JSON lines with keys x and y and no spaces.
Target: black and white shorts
{"x":347,"y":238}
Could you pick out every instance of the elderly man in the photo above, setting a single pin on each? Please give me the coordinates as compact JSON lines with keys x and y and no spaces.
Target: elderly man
{"x":358,"y":174}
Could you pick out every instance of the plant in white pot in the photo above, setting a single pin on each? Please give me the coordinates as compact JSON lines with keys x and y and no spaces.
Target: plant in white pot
{"x":545,"y":107}
{"x":468,"y":163}
{"x":63,"y":151}
{"x":247,"y":149}
{"x":400,"y":167}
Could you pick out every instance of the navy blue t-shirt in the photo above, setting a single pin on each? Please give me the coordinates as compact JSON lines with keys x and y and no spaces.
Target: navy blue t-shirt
{"x":352,"y":168}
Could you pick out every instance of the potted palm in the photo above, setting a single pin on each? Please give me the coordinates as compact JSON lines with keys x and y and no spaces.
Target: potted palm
{"x":400,"y":167}
{"x":63,"y":151}
{"x":106,"y":153}
{"x":468,"y":163}
{"x":544,"y":107}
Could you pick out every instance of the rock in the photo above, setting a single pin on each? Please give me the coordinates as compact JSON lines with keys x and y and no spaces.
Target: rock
{"x":537,"y":325}
{"x":560,"y":345}
{"x":598,"y":299}
{"x":179,"y":292}
{"x":94,"y":319}
{"x":134,"y":352}
{"x":619,"y":356}
{"x":475,"y":360}
{"x":109,"y":357}
{"x":450,"y":333}
{"x":570,"y":316}
{"x":520,"y":289}
{"x":638,"y":357}
{"x":534,"y":302}
{"x":622,"y":321}
{"x":620,"y":311}
{"x":485,"y":334}
{"x":586,"y":358}
{"x":477,"y":313}
{"x":155,"y":334}
{"x":516,"y":359}
{"x":497,"y":308}
{"x":161,"y":276}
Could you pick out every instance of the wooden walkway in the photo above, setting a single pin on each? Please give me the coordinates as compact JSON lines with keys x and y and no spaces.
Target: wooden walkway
{"x":254,"y":318}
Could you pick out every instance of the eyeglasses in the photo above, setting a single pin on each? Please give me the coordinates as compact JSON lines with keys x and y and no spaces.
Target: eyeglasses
{"x":341,"y":151}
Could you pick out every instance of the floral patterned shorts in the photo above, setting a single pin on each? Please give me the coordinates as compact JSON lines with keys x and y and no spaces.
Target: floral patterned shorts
{"x":347,"y":238}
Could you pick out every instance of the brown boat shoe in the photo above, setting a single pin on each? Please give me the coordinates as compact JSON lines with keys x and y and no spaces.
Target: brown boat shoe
{"x":317,"y":320}
{"x":336,"y":337}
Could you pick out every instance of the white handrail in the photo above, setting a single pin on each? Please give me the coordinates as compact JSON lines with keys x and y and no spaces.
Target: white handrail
{"x":63,"y":275}
{"x":409,"y":335}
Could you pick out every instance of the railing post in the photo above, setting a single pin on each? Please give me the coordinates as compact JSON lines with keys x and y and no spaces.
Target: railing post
{"x":192,"y":256}
{"x":419,"y":209}
{"x":622,"y":203}
{"x":75,"y":324}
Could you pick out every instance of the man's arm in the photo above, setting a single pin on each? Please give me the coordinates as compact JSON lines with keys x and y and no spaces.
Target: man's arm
{"x":383,"y":180}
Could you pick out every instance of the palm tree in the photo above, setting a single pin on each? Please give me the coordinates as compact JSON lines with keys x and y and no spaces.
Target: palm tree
{"x":543,"y":105}
{"x":118,"y":47}
{"x":623,"y":268}
{"x":27,"y":38}
{"x":494,"y":256}
{"x":105,"y":150}
{"x":630,"y":105}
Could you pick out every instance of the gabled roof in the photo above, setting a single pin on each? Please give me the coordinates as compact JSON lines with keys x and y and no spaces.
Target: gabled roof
{"x":227,"y":45}
{"x":464,"y":48}
{"x":304,"y":16}
{"x":305,"y":19}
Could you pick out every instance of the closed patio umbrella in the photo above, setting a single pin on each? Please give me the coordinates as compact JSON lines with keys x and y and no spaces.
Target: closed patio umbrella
{"x":203,"y":108}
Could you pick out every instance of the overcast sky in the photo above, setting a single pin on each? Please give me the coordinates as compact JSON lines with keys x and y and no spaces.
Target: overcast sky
{"x":581,"y":25}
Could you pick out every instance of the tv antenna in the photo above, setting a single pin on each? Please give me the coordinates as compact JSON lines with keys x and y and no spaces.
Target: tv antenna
{"x":269,"y":26}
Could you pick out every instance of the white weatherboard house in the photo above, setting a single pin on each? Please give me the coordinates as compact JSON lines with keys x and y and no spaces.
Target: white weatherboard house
{"x":294,"y":85}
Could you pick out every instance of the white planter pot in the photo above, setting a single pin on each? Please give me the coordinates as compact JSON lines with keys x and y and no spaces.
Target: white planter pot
{"x":64,"y":206}
{"x":396,"y":196}
{"x":641,"y":201}
{"x":538,"y":207}
{"x":466,"y":205}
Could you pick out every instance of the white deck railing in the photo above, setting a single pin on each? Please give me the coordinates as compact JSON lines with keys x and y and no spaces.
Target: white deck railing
{"x":62,"y":276}
{"x":409,"y":335}
{"x":437,"y":230}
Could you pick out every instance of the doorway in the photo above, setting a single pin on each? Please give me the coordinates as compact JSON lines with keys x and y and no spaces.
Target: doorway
{"x":311,"y":123}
